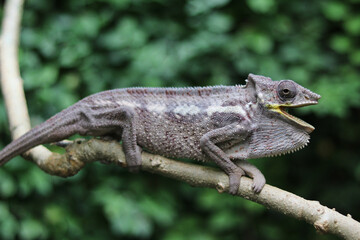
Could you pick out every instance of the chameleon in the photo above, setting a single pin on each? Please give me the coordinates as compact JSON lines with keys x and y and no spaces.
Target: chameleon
{"x":223,"y":124}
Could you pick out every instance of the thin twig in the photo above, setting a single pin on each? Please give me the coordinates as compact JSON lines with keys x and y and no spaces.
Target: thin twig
{"x":11,"y":82}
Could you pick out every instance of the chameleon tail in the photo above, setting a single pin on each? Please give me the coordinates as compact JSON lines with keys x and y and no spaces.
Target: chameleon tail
{"x":46,"y":132}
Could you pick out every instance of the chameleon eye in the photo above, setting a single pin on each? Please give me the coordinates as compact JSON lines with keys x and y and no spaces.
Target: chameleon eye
{"x":286,"y":90}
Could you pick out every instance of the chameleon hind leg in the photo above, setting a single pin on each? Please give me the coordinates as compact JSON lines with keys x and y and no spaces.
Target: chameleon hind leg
{"x":110,"y":121}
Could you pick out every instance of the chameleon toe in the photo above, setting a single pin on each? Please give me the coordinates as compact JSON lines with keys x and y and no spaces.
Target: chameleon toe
{"x":258,"y":183}
{"x":234,"y":182}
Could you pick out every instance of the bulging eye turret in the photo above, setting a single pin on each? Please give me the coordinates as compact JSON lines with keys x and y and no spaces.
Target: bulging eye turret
{"x":286,"y":90}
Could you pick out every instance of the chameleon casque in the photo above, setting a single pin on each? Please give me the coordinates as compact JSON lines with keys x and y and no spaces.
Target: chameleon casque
{"x":223,"y":124}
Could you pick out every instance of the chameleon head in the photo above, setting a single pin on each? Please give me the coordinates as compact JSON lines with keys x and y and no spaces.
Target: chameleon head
{"x":278,"y":96}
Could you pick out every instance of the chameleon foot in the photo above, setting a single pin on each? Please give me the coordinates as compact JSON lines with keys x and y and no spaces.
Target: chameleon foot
{"x":254,"y":173}
{"x":234,"y":181}
{"x":134,"y":163}
{"x":258,"y":183}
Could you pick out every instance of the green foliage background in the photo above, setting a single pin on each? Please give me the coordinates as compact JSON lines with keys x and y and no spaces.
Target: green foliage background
{"x":70,"y":49}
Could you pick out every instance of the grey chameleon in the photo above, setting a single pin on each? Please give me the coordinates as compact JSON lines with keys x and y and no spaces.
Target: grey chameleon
{"x":224,"y":124}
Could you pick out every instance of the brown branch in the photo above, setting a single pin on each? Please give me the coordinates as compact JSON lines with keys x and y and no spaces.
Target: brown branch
{"x":325,"y":220}
{"x":11,"y":82}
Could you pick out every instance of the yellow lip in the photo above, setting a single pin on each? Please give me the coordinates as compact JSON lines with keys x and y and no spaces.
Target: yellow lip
{"x":281,"y":110}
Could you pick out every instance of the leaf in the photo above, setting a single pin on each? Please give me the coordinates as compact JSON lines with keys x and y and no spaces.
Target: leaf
{"x":225,"y":220}
{"x":123,"y":213}
{"x":352,"y":25}
{"x":55,"y":214}
{"x":341,"y":43}
{"x":87,"y":24}
{"x":196,"y":7}
{"x":127,"y":33}
{"x":355,"y":57}
{"x":8,"y":223}
{"x":73,"y":52}
{"x":335,"y":10}
{"x":7,"y":185}
{"x":42,"y":77}
{"x":35,"y":180}
{"x":336,"y":94}
{"x":262,"y":6}
{"x":300,"y":74}
{"x":32,"y":229}
{"x":258,"y":42}
{"x":30,"y":37}
{"x":219,"y":23}
{"x":163,"y":214}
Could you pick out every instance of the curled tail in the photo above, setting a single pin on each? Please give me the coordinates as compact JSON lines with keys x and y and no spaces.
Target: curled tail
{"x":58,"y":127}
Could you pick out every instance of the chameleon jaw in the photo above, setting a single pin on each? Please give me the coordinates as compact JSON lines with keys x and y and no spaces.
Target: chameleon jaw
{"x":282,"y":109}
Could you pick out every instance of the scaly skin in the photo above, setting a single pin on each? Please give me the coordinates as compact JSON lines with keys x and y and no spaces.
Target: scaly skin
{"x":221,"y":124}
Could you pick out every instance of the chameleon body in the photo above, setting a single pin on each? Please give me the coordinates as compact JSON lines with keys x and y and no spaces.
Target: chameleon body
{"x":223,"y":124}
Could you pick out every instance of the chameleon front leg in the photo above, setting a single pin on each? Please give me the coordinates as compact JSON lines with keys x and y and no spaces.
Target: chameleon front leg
{"x":208,"y":145}
{"x":253,"y":172}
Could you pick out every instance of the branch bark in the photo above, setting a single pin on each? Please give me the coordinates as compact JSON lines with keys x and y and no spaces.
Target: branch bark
{"x":79,"y":153}
{"x":324,"y":220}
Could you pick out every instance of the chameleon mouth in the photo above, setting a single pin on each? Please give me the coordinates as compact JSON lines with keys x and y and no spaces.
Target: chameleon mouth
{"x":283,"y":110}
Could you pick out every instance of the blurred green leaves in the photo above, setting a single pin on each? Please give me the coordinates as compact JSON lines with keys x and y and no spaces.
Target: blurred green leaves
{"x":352,"y":25}
{"x":8,"y":224}
{"x":219,"y":23}
{"x":32,"y":229}
{"x":336,"y":99}
{"x":88,"y":24}
{"x":130,"y":216}
{"x":259,"y":42}
{"x":261,"y":6}
{"x":335,"y":10}
{"x":70,"y":49}
{"x":126,"y":34}
{"x":195,"y":7}
{"x":40,"y":77}
{"x":7,"y":184}
{"x":341,"y":44}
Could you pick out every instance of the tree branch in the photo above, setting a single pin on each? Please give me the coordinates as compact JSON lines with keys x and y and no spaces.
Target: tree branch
{"x":325,"y":220}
